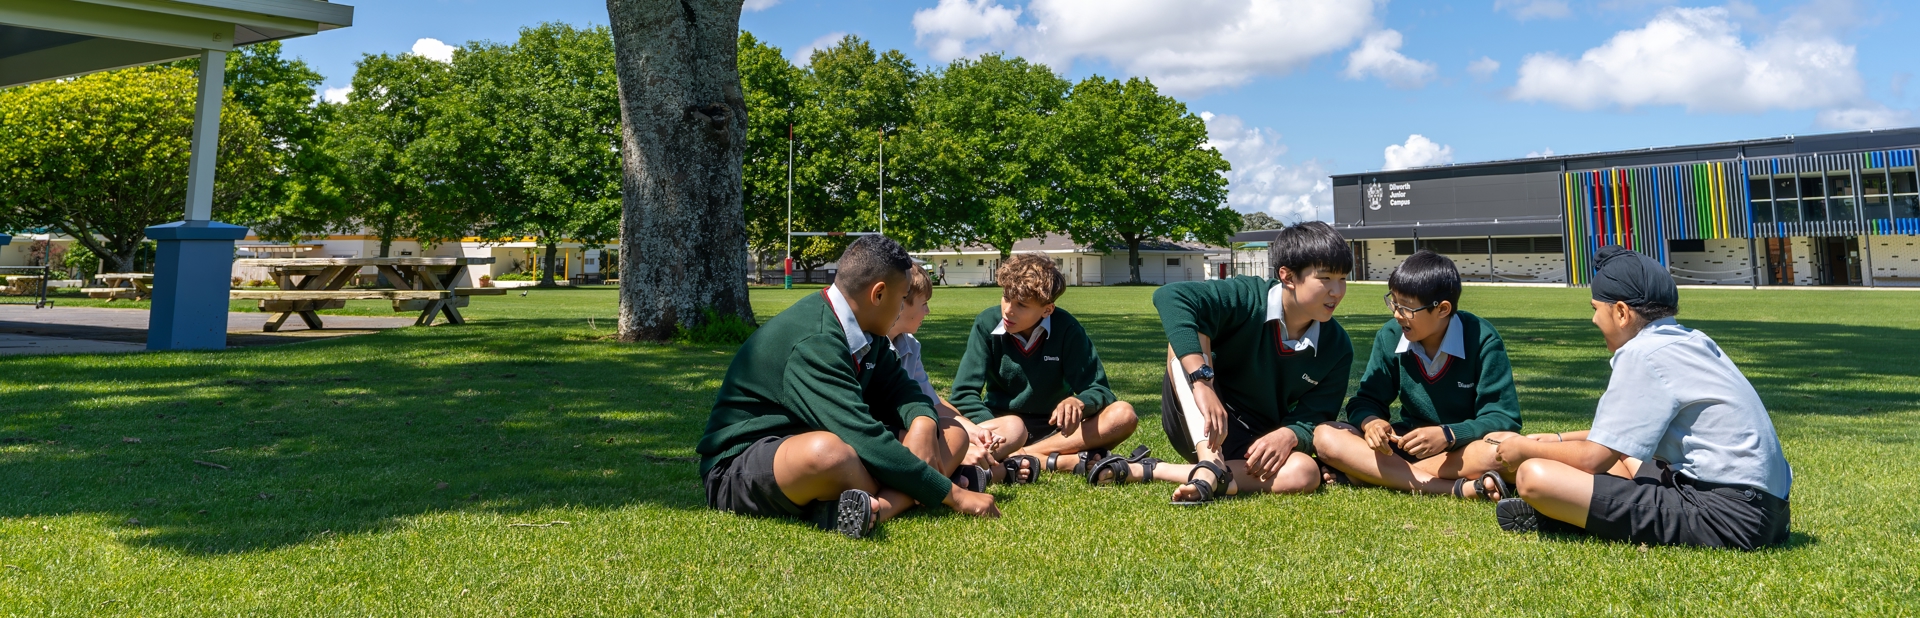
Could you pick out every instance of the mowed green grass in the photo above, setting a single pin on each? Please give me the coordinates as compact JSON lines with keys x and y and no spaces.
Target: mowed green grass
{"x":383,"y":475}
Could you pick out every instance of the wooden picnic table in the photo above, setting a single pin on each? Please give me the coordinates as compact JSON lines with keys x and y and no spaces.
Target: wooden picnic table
{"x":128,"y":286}
{"x":307,"y":285}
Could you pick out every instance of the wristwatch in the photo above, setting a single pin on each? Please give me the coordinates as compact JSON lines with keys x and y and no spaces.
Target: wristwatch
{"x":1203,"y":374}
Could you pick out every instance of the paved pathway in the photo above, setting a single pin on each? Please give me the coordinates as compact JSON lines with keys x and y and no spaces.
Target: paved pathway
{"x":72,"y":330}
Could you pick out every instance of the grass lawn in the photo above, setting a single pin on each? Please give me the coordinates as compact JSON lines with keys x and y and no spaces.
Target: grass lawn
{"x":385,"y":475}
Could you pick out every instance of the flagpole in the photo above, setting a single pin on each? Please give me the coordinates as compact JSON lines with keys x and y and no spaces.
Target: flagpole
{"x":883,"y":182}
{"x":789,"y":261}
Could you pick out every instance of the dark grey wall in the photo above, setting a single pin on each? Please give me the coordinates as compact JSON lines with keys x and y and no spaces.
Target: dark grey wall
{"x":1432,"y":200}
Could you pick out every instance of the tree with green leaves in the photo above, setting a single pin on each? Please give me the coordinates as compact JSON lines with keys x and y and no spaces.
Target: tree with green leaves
{"x":104,"y":156}
{"x":852,"y":98}
{"x":536,"y":126}
{"x":1138,"y":169}
{"x":388,"y":166}
{"x":982,"y":162}
{"x":1250,"y":221}
{"x":772,"y":87}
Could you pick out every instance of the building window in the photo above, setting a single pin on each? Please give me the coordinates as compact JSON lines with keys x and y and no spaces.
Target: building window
{"x":1403,"y":247}
{"x":1059,"y":262}
{"x":1678,"y":245}
{"x":1473,"y":246}
{"x":1906,"y":201}
{"x":980,"y":262}
{"x":1173,"y":261}
{"x":1760,"y":200}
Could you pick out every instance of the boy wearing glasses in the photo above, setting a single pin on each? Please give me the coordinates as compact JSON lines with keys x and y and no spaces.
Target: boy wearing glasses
{"x":1448,"y":370}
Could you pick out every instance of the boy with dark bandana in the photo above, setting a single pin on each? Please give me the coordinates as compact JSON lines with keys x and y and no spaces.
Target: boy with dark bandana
{"x":1682,"y":451}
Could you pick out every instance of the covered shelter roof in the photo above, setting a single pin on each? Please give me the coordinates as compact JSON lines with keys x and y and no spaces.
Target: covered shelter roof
{"x":50,"y":39}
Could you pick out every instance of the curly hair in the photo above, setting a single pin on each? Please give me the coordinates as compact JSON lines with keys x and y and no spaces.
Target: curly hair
{"x":1030,"y":276}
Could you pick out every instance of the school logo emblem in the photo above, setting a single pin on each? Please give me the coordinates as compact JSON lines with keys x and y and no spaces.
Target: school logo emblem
{"x":1374,"y":195}
{"x":1050,"y":358}
{"x":1309,"y":380}
{"x":1466,"y":384}
{"x":869,"y":365}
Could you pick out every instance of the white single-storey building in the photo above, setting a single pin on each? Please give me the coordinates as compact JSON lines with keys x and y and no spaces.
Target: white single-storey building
{"x":514,"y":256}
{"x":1160,"y":262}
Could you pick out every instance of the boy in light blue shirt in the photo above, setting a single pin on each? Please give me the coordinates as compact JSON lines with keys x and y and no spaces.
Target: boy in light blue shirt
{"x":1681,"y":452}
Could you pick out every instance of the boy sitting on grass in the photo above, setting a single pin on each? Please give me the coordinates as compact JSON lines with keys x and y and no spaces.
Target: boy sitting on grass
{"x":1682,"y":451}
{"x":1449,"y":371}
{"x":1031,"y":376}
{"x":805,"y":423}
{"x":983,"y":444}
{"x":1252,"y":366}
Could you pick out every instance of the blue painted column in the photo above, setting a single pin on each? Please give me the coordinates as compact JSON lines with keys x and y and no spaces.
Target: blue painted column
{"x":5,"y":240}
{"x":194,"y":264}
{"x":191,"y":276}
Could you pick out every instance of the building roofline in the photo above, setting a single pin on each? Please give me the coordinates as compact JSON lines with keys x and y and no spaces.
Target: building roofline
{"x":1784,"y":139}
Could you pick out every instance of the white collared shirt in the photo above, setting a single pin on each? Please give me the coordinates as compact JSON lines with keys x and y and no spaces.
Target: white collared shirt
{"x":857,"y":339}
{"x":1045,"y":328}
{"x":1450,"y":345}
{"x":908,"y":349}
{"x":1277,"y":311}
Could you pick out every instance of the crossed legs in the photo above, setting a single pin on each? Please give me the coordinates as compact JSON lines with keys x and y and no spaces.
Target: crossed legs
{"x":1105,"y":430}
{"x":817,"y":465}
{"x":1343,"y":446}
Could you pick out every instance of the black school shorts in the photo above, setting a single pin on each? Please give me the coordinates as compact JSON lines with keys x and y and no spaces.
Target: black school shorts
{"x":744,"y":483}
{"x":1240,"y":431}
{"x":1661,"y":507}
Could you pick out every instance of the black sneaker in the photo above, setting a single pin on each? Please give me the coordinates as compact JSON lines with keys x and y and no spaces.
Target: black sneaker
{"x":851,"y":516}
{"x":1515,"y":515}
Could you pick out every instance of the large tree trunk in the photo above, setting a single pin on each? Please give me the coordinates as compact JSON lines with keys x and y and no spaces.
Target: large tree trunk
{"x":1133,"y":258}
{"x":683,"y":235}
{"x":546,"y":272}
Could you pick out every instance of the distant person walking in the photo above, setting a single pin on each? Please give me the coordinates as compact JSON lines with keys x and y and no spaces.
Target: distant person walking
{"x":943,"y":273}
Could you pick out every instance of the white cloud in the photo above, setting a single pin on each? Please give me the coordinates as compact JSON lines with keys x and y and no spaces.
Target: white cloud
{"x":1543,"y":152}
{"x":804,"y":56}
{"x":1695,"y":58}
{"x":1483,"y":68}
{"x":1417,"y":152}
{"x":1873,"y":116}
{"x":336,"y":95}
{"x":1184,"y":47}
{"x":945,"y":29}
{"x":1379,"y":56}
{"x":1260,"y":181}
{"x":1534,"y":9}
{"x":760,"y":5}
{"x":433,"y":49}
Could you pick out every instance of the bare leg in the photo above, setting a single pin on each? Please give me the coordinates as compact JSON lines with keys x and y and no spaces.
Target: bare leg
{"x":1561,"y":491}
{"x":940,"y":443}
{"x":1298,"y":476}
{"x":1342,"y":446}
{"x":1104,"y":431}
{"x":817,"y":465}
{"x":1010,"y":428}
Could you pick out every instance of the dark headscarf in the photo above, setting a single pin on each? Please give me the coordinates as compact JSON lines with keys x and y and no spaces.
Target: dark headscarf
{"x":1625,"y":276}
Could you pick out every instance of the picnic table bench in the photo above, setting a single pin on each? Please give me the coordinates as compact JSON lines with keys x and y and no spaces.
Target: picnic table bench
{"x":308,"y":285}
{"x":122,"y":286}
{"x":24,"y":285}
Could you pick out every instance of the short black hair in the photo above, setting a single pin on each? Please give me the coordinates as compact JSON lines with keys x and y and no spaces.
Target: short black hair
{"x":870,"y":260}
{"x":1313,"y":244}
{"x":1428,"y":277}
{"x":1654,"y":311}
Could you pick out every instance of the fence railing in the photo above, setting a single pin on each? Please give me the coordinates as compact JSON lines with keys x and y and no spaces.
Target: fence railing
{"x":25,"y":285}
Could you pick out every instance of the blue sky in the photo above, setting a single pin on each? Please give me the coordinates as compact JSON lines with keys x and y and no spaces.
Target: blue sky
{"x":1297,"y":89}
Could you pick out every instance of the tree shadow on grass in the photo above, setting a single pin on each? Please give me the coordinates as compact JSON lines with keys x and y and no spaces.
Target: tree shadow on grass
{"x":251,"y":450}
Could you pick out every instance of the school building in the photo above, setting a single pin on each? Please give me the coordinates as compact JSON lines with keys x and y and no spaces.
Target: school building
{"x":1835,"y":209}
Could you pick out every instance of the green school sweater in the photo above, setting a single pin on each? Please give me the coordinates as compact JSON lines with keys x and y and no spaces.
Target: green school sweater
{"x":1473,"y":396}
{"x":795,"y":375}
{"x":1253,"y":375}
{"x":1028,"y":382}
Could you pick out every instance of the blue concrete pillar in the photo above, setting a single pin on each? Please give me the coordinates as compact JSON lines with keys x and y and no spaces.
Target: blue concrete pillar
{"x":5,"y":239}
{"x":192,"y":273}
